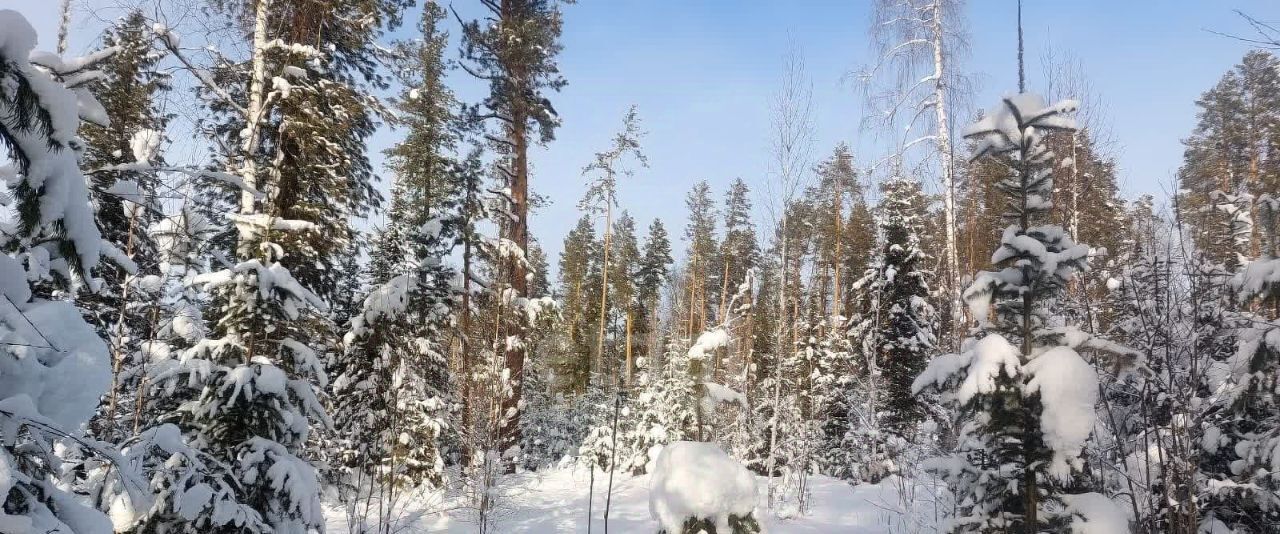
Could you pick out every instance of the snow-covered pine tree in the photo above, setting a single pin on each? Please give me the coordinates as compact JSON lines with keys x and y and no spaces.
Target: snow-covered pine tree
{"x":1226,"y":154}
{"x":55,"y":365}
{"x":513,"y":51}
{"x":699,"y":234}
{"x":625,"y":263}
{"x":600,"y":199}
{"x":828,"y":199}
{"x":739,"y":255}
{"x":1025,"y":395}
{"x":321,"y":64}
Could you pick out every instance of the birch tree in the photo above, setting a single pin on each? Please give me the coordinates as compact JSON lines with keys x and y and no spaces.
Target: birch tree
{"x":912,"y":88}
{"x":791,"y":146}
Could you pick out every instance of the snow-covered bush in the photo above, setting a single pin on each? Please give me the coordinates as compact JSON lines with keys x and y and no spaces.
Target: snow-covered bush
{"x":556,"y":425}
{"x":662,"y":411}
{"x":696,"y":488}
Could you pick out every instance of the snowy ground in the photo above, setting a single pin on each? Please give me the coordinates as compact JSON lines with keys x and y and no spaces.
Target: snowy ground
{"x":555,"y":501}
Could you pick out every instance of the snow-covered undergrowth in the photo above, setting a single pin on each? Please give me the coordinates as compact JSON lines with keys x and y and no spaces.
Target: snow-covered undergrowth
{"x":695,"y":480}
{"x":555,"y":501}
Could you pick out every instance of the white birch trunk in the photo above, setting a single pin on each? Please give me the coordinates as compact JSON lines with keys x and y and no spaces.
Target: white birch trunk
{"x":1074,"y":225}
{"x":777,"y":363}
{"x":952,"y":261}
{"x":255,"y":111}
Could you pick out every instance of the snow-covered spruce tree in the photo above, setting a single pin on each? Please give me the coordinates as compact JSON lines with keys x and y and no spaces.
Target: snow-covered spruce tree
{"x":122,"y":76}
{"x":1250,"y":392}
{"x":128,"y":89}
{"x":653,"y":274}
{"x":915,"y":85}
{"x":904,"y":333}
{"x":661,"y":410}
{"x":316,"y":64}
{"x":839,"y":386}
{"x":190,"y":490}
{"x":253,"y":388}
{"x":893,"y":335}
{"x":124,"y":200}
{"x":392,"y":403}
{"x":249,"y":389}
{"x":54,"y":364}
{"x":1026,"y":397}
{"x":391,"y":398}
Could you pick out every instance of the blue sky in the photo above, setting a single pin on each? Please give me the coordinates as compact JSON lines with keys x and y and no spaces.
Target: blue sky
{"x":702,"y":73}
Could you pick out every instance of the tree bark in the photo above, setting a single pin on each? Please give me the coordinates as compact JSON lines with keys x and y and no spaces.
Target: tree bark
{"x":631,"y":366}
{"x":518,"y":233}
{"x":947,"y":164}
{"x":604,"y":284}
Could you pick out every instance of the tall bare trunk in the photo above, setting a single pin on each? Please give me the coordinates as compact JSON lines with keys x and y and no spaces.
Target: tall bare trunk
{"x":947,"y":164}
{"x":604,"y":285}
{"x":722,"y":317}
{"x":631,"y":365}
{"x":254,"y":115}
{"x":836,"y":293}
{"x":771,"y":461}
{"x":464,"y":357}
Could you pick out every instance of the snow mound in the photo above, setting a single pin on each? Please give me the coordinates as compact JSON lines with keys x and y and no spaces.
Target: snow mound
{"x":1095,"y":513}
{"x":695,"y":479}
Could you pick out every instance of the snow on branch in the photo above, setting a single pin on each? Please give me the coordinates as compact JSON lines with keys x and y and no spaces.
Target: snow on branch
{"x":1015,"y":121}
